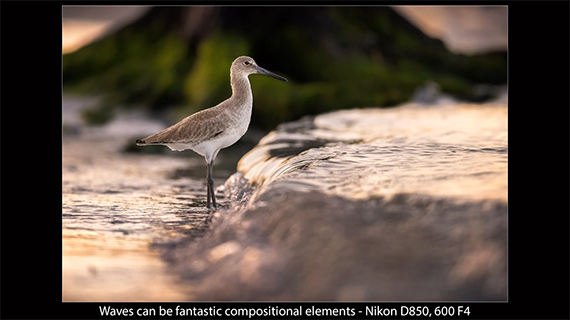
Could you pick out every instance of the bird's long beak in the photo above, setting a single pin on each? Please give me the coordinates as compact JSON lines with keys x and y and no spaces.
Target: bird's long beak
{"x":269,"y":73}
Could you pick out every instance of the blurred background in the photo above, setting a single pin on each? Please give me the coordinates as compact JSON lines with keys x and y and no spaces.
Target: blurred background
{"x":174,"y":61}
{"x":132,"y":216}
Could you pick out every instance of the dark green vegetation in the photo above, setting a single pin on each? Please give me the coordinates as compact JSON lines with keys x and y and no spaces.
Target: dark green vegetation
{"x":334,"y":57}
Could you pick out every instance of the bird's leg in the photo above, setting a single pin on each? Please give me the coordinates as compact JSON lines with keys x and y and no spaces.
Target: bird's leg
{"x":208,"y":187}
{"x":210,"y":182}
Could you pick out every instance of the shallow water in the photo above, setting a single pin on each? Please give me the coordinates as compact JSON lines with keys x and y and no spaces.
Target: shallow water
{"x":115,"y":208}
{"x":407,"y":203}
{"x":457,"y":151}
{"x":118,"y":208}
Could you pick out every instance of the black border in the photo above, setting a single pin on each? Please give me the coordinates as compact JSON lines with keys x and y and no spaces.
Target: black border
{"x":31,"y":144}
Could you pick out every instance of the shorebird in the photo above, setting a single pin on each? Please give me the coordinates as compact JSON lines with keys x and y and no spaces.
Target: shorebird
{"x":206,"y":132}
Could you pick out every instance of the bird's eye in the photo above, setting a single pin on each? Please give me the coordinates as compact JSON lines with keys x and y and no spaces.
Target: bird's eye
{"x":247,"y":63}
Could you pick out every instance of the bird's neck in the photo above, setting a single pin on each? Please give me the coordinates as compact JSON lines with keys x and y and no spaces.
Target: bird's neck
{"x":241,"y":90}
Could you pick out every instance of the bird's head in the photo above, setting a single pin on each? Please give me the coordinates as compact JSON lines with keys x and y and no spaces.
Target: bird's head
{"x":246,"y":65}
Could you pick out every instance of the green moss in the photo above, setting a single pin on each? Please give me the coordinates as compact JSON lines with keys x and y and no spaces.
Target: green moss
{"x":334,"y":58}
{"x":208,"y":83}
{"x":129,"y":69}
{"x":271,"y":101}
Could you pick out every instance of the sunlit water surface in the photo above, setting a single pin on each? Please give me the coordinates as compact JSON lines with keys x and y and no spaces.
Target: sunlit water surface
{"x":119,"y":209}
{"x":457,"y":151}
{"x":116,"y":207}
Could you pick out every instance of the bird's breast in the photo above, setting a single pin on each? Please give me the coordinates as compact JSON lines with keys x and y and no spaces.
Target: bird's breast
{"x":240,"y":118}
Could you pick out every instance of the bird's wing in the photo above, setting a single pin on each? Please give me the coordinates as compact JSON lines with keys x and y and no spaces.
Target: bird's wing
{"x":198,"y":127}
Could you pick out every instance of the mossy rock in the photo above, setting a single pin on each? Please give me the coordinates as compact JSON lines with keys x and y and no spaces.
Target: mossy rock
{"x":334,"y":58}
